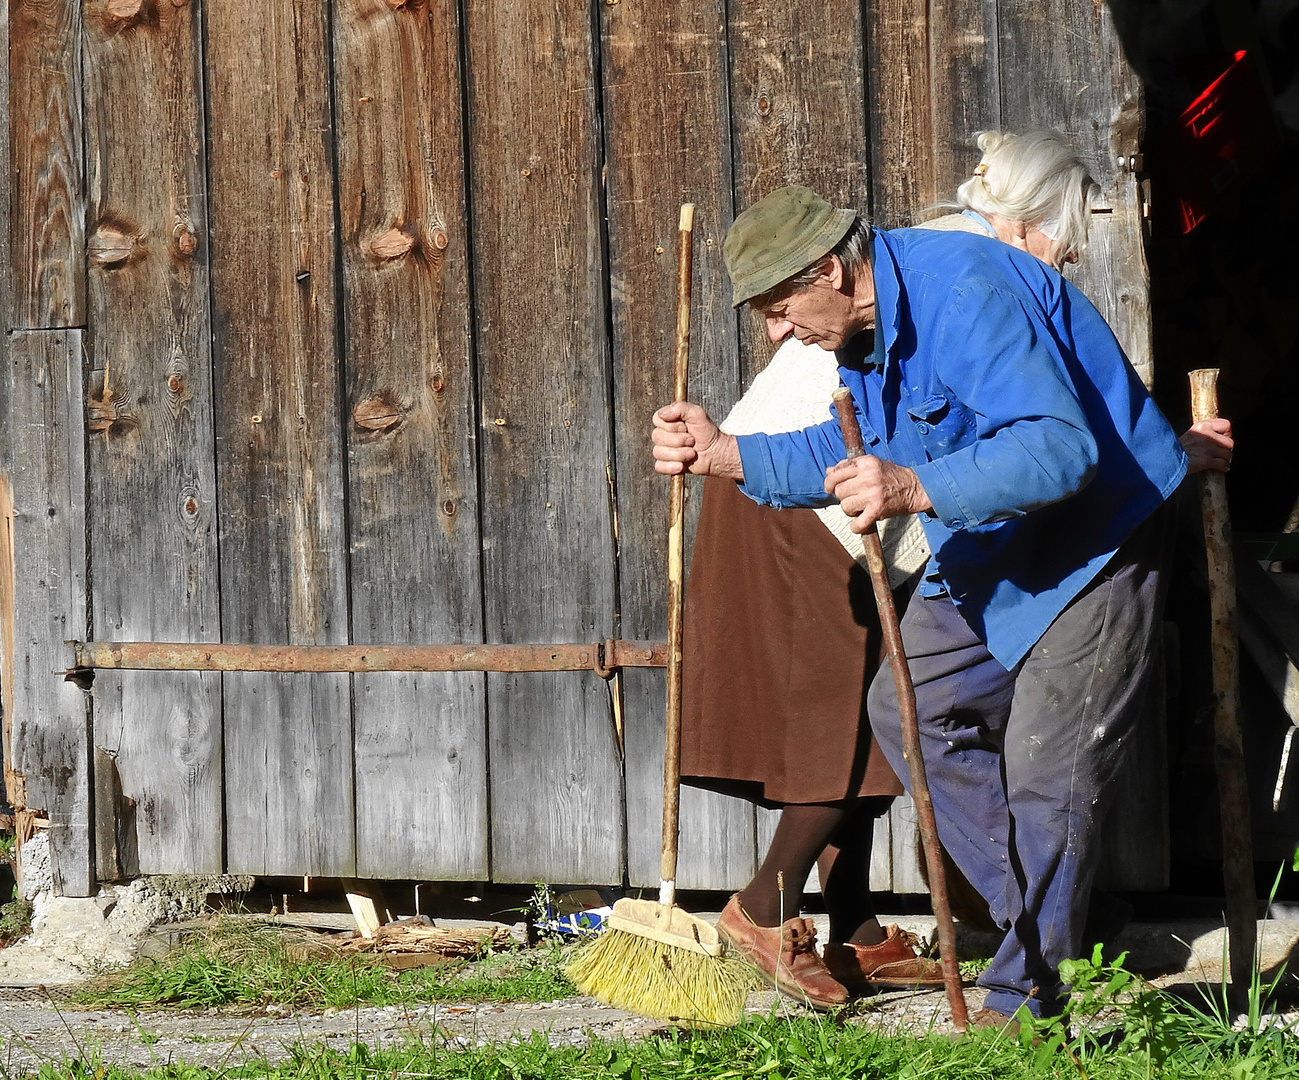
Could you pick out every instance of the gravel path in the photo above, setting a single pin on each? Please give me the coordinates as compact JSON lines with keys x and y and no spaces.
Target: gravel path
{"x":34,"y":1032}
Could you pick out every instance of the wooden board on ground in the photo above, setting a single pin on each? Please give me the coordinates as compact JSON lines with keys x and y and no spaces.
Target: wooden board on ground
{"x":666,"y":113}
{"x":49,"y":717}
{"x":543,"y":362}
{"x":420,"y":739}
{"x":288,"y":744}
{"x":152,"y":499}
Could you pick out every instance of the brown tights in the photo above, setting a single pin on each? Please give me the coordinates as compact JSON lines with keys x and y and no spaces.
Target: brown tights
{"x":836,"y":836}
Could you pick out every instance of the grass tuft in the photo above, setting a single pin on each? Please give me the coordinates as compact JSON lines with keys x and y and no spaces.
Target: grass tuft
{"x":243,"y":963}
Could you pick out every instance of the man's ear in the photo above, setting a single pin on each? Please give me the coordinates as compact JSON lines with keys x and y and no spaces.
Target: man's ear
{"x":832,"y":273}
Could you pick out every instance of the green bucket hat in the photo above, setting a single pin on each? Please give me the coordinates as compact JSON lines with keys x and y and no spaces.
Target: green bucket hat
{"x":779,"y":235}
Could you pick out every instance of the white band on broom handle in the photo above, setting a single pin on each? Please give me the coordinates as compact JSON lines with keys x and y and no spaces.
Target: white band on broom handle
{"x":676,"y":577}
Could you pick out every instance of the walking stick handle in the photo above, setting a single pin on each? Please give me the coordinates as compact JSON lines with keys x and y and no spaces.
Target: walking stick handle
{"x":847,"y":412}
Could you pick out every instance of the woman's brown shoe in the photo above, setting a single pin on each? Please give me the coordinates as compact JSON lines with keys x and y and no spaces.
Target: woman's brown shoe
{"x":784,"y":955}
{"x":893,"y":962}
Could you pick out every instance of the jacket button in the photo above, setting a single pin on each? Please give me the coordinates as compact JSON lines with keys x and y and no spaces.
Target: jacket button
{"x":922,"y":427}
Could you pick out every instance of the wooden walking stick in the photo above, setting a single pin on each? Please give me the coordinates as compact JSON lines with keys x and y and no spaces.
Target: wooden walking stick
{"x":1228,"y":750}
{"x":843,"y":404}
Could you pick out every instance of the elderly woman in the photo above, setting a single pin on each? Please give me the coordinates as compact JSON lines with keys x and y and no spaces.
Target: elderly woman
{"x":779,"y":608}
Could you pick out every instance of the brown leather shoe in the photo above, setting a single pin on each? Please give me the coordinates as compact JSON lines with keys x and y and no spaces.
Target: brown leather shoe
{"x":785,"y":956}
{"x":893,"y":962}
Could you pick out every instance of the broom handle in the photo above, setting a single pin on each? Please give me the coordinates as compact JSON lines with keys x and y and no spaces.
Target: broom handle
{"x":1229,"y":754}
{"x":676,"y":577}
{"x":843,"y":404}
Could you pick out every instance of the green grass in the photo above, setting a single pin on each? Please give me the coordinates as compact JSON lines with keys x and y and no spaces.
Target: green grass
{"x":770,"y":1048}
{"x":241,"y":963}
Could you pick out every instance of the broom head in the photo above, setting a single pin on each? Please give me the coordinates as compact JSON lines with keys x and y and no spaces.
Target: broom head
{"x":659,"y":961}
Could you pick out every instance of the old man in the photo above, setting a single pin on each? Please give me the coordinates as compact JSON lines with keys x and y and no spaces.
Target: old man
{"x":996,"y":403}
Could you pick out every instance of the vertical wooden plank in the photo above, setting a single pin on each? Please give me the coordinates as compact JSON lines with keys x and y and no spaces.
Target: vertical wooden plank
{"x":904,"y":170}
{"x":45,"y":601}
{"x":1064,"y":68}
{"x":47,"y":195}
{"x":798,"y":100}
{"x":288,"y":738}
{"x":543,"y":357}
{"x":152,"y":505}
{"x":934,"y":82}
{"x":667,"y":124}
{"x":6,"y":170}
{"x":421,"y":769}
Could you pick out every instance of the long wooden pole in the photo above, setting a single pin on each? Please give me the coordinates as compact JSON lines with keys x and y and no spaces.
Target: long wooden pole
{"x":1228,"y":751}
{"x":843,"y":404}
{"x":676,"y":576}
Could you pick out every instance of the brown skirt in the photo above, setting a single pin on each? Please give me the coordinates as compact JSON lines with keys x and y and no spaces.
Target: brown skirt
{"x":781,"y":641}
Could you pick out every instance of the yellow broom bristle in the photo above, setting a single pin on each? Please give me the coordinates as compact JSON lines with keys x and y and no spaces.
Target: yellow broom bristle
{"x":646,"y":977}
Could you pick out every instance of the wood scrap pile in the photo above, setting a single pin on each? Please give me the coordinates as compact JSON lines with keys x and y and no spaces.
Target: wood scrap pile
{"x":421,"y":936}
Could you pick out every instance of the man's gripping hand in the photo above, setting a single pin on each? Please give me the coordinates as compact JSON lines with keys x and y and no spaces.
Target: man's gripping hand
{"x":686,"y":440}
{"x":1208,"y":445}
{"x":870,"y":489}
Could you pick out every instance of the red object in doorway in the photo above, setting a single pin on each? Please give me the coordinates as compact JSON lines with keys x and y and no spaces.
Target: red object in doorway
{"x":1226,"y":134}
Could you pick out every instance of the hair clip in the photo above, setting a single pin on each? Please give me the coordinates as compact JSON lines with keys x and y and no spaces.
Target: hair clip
{"x":981,"y":168}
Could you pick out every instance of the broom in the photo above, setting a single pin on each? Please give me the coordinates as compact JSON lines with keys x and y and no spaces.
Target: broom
{"x":654,"y":958}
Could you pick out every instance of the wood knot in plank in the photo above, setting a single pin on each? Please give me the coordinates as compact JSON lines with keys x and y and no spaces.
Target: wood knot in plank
{"x":377,"y":413}
{"x":108,"y":412}
{"x":124,"y":9}
{"x":110,"y":246}
{"x":189,"y":506}
{"x":392,"y":244}
{"x":184,"y":239}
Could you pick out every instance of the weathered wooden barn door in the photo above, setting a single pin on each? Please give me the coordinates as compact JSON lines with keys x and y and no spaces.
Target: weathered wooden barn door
{"x":353,"y":314}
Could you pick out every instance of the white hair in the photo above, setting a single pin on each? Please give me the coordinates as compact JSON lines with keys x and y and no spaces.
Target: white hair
{"x":1036,"y":178}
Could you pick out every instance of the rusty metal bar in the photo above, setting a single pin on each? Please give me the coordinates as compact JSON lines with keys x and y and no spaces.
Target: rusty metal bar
{"x":602,"y":657}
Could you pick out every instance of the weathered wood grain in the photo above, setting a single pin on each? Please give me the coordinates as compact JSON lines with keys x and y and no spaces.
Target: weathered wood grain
{"x":47,"y":191}
{"x":420,"y":740}
{"x":288,"y":744}
{"x":543,"y":361}
{"x":6,"y":170}
{"x":798,"y":98}
{"x":666,"y":116}
{"x":49,"y":717}
{"x":152,"y":494}
{"x":1063,"y":68}
{"x":934,"y":82}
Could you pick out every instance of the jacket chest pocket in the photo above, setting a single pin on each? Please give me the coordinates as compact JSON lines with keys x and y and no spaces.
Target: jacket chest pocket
{"x":942,"y":424}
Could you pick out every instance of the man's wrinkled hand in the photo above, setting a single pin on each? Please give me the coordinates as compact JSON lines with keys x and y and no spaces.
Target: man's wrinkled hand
{"x":1208,"y":445}
{"x":870,"y":489}
{"x":686,"y":440}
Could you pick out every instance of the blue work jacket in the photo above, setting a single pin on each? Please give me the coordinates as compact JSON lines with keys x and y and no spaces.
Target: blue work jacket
{"x":1000,"y":384}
